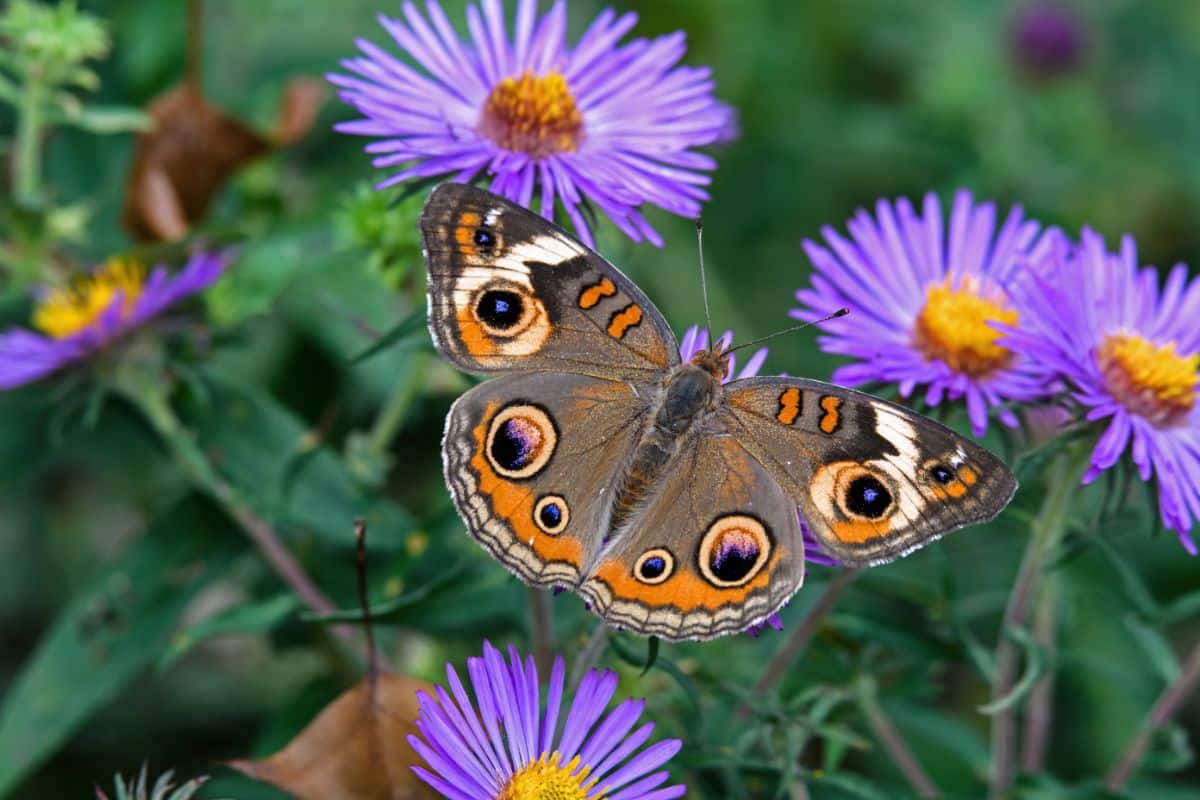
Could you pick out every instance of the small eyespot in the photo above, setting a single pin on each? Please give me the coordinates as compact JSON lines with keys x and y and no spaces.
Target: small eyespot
{"x":866,"y":496}
{"x":551,"y":514}
{"x":520,"y":441}
{"x":484,"y":239}
{"x":734,"y":549}
{"x":941,"y":473}
{"x":500,"y":309}
{"x":654,"y":566}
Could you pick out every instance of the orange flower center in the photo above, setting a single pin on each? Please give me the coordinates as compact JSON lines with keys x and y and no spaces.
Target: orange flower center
{"x":544,"y":779}
{"x":534,"y":114}
{"x":70,"y":309}
{"x":953,"y":327}
{"x":1154,"y":382}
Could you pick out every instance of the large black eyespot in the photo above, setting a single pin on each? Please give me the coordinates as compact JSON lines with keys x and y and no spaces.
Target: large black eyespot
{"x":867,"y":497}
{"x":735,"y":548}
{"x":484,"y":239}
{"x":499,"y":309}
{"x":654,"y":566}
{"x":941,"y":473}
{"x":551,"y":514}
{"x":521,"y":438}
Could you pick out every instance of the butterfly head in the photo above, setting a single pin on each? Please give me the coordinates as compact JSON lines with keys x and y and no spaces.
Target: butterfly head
{"x":714,"y":361}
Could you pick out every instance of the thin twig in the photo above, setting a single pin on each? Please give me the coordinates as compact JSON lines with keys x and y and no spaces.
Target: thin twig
{"x":360,"y":562}
{"x":796,"y":643}
{"x":893,"y":742}
{"x":1164,"y":708}
{"x":542,"y":622}
{"x":1039,"y":714}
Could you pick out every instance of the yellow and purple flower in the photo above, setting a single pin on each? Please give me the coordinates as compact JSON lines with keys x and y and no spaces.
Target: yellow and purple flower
{"x":608,"y":123}
{"x":505,"y":745}
{"x":75,"y":321}
{"x":1130,"y":352}
{"x":923,"y":300}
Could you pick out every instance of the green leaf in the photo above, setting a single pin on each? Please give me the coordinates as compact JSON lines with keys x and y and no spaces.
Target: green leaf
{"x":248,"y":618}
{"x":109,"y":634}
{"x":1155,"y":647}
{"x":392,"y":610}
{"x":1035,"y":667}
{"x":107,"y":119}
{"x":413,"y":323}
{"x":254,"y":441}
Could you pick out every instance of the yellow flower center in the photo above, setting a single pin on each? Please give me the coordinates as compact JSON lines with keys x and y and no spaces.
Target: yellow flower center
{"x":544,"y":779}
{"x":1156,"y":383}
{"x":534,"y":114}
{"x":70,"y":309}
{"x":953,"y":327}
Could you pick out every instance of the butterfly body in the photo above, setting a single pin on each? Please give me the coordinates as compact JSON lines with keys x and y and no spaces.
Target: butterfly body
{"x":599,"y":461}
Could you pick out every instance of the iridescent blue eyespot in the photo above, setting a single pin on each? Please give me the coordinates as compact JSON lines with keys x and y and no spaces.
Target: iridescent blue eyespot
{"x":654,"y":566}
{"x":521,"y":440}
{"x":868,"y":497}
{"x":551,"y":514}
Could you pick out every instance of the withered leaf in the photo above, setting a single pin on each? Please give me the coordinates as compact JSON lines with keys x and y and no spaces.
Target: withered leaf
{"x":193,"y":148}
{"x":356,"y":749}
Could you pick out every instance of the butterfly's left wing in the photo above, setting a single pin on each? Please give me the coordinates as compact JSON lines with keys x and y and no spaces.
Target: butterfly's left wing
{"x":874,"y":480}
{"x":715,"y":549}
{"x":511,"y":291}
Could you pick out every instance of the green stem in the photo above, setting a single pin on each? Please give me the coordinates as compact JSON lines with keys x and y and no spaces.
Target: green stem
{"x":542,"y":623}
{"x":156,"y":408}
{"x":27,"y":160}
{"x":392,"y":415}
{"x":893,"y":742}
{"x":1064,"y":472}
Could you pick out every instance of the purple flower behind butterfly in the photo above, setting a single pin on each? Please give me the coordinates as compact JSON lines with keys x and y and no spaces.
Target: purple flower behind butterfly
{"x":694,"y":340}
{"x":77,"y":321}
{"x":1130,"y":352}
{"x":922,"y":299}
{"x":601,"y":122}
{"x":505,"y":745}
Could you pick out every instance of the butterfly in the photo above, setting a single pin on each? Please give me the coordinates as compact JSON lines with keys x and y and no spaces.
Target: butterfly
{"x":596,"y":460}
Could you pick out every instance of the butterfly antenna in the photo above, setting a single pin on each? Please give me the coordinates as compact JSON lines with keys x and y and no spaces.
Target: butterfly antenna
{"x":841,"y":312}
{"x":703,"y":280}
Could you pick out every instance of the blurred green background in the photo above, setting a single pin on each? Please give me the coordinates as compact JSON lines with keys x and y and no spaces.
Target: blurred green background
{"x":840,"y":104}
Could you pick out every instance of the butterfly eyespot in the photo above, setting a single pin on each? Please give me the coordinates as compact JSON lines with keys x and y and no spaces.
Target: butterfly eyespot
{"x":499,"y":309}
{"x":734,"y":550}
{"x":551,"y":514}
{"x":941,"y":473}
{"x":484,"y":239}
{"x":520,"y":441}
{"x":866,"y":496}
{"x":654,"y":566}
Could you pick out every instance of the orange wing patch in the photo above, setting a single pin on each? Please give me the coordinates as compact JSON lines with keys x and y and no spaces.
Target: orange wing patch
{"x":514,"y":504}
{"x":684,"y":590}
{"x":591,"y":295}
{"x":832,"y":417}
{"x":623,"y":320}
{"x":789,"y":406}
{"x":464,"y":234}
{"x":854,"y":531}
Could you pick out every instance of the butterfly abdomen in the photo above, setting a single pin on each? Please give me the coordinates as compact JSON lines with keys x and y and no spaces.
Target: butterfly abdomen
{"x":688,"y":392}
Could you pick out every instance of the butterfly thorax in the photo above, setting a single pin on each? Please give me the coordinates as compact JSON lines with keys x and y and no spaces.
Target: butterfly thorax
{"x":689,"y":391}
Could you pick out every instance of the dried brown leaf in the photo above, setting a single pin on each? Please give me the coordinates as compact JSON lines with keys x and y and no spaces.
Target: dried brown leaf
{"x":356,"y":749}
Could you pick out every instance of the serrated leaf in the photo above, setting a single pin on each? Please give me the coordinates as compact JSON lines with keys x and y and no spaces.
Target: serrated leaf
{"x":109,"y":634}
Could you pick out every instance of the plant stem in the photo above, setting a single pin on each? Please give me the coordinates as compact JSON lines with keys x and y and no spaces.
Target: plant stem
{"x":1046,"y":528}
{"x":590,"y":656}
{"x":157,"y":410}
{"x":27,"y":158}
{"x":1164,"y":708}
{"x":1039,"y":714}
{"x":893,"y":742}
{"x":542,"y":623}
{"x":798,"y":640}
{"x":391,"y":416}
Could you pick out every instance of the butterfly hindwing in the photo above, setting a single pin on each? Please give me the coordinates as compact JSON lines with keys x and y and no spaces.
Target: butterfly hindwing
{"x":510,"y":290}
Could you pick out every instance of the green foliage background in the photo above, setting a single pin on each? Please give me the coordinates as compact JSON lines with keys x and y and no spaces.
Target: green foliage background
{"x":107,"y":559}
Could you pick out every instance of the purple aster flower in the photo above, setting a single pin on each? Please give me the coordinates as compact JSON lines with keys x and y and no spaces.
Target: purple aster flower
{"x":614,"y":124}
{"x":77,"y":320}
{"x":1130,"y":352}
{"x":506,"y":746}
{"x":1047,"y":40}
{"x":695,"y":340}
{"x":922,"y":299}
